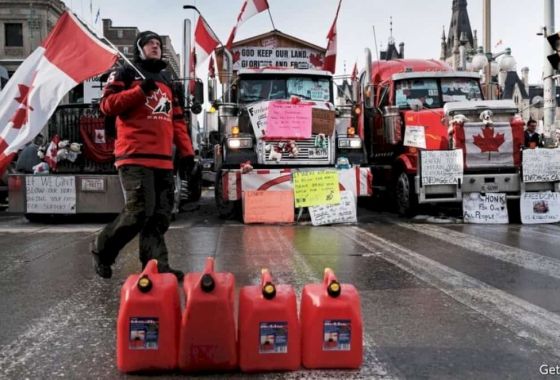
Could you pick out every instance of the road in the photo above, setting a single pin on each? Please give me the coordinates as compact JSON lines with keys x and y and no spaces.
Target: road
{"x":439,"y":300}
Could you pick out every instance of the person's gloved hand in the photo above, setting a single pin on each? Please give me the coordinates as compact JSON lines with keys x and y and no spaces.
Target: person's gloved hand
{"x":148,"y":85}
{"x":187,"y":165}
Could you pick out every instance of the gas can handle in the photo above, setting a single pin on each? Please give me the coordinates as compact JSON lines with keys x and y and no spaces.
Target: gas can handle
{"x":331,"y":283}
{"x":209,"y":267}
{"x":267,"y":286}
{"x":151,"y":267}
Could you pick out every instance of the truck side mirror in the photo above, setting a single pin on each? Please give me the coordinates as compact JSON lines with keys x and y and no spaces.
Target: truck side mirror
{"x":211,"y":90}
{"x":198,"y":97}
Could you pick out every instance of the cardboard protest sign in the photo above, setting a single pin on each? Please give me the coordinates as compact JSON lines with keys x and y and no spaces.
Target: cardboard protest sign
{"x":286,"y":120}
{"x":540,"y":207}
{"x":268,"y":207}
{"x":258,"y":114}
{"x":314,"y":188}
{"x":414,"y":135}
{"x":344,"y":212}
{"x":490,"y":208}
{"x":541,"y":165}
{"x":322,"y":121}
{"x":441,"y":167}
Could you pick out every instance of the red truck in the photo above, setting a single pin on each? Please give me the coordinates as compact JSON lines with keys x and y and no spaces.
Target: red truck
{"x":413,"y":105}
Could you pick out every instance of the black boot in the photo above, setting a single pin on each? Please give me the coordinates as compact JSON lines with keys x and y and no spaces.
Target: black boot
{"x":167,"y":269}
{"x":103,"y":270}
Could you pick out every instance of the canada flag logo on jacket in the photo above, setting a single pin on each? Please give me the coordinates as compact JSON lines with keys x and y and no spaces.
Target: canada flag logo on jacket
{"x":158,"y":102}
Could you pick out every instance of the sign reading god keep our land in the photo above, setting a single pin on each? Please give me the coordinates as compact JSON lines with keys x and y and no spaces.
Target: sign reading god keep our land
{"x":50,"y":194}
{"x":253,"y":57}
{"x":540,"y":207}
{"x":344,"y":212}
{"x":286,"y":120}
{"x":488,"y":208}
{"x":441,"y":167}
{"x":414,"y":135}
{"x":314,"y":188}
{"x":258,"y":114}
{"x":541,"y":165}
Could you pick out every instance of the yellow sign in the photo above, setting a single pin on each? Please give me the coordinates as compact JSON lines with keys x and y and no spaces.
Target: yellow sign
{"x":315,"y":188}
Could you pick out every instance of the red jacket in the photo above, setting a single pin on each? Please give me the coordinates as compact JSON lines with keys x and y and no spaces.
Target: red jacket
{"x":147,"y":126}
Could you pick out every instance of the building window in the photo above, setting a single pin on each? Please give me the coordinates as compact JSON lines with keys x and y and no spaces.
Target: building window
{"x":119,"y":33}
{"x":14,"y":35}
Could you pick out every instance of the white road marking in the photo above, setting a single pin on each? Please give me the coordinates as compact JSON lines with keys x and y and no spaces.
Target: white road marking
{"x":526,"y":259}
{"x":524,"y":319}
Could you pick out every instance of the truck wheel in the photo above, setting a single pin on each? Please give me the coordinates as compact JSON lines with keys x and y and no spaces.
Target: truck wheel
{"x":407,"y":200}
{"x":226,"y":209}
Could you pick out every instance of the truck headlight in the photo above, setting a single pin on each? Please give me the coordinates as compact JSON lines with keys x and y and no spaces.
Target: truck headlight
{"x":350,"y":143}
{"x":239,"y":143}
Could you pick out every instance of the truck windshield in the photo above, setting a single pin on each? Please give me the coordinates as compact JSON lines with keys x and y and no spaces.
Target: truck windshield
{"x":426,"y":92}
{"x":309,"y":88}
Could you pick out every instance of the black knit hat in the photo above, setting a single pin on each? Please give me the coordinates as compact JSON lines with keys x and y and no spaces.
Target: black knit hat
{"x":142,"y":39}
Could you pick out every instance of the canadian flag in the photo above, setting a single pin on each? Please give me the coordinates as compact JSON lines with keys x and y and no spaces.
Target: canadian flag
{"x":248,"y":10}
{"x":330,"y":56}
{"x":69,"y":55}
{"x":205,"y":41}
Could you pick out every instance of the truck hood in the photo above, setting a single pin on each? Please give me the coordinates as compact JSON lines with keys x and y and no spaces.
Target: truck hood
{"x":434,"y":130}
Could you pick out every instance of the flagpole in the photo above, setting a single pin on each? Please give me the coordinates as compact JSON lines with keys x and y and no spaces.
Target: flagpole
{"x":270,"y":14}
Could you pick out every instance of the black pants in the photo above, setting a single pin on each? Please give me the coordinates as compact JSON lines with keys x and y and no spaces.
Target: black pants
{"x":148,"y":195}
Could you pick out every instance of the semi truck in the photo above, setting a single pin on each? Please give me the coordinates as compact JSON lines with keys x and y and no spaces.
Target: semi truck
{"x":409,"y":106}
{"x":246,"y":159}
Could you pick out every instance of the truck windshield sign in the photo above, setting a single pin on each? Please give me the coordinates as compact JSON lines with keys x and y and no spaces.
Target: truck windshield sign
{"x":425,"y":92}
{"x":308,"y":88}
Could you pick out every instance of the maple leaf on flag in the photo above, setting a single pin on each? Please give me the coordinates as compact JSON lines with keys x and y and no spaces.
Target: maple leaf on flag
{"x":489,"y":142}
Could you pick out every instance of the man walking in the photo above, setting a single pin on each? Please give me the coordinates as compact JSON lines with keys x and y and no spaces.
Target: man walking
{"x":149,"y":121}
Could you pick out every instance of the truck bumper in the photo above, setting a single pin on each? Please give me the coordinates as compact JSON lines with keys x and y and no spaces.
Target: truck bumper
{"x":65,"y":194}
{"x":356,"y":179}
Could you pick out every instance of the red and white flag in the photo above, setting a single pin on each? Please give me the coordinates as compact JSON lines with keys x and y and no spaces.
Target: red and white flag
{"x":69,"y":55}
{"x":248,"y":10}
{"x":330,"y":55}
{"x":211,"y":68}
{"x":205,"y":41}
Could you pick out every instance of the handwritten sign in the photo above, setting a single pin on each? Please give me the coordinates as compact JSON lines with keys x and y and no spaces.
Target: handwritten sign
{"x":258,"y":114}
{"x":253,"y":57}
{"x":488,"y":208}
{"x":441,"y":167}
{"x":268,"y":206}
{"x":541,"y":165}
{"x":345,"y":212}
{"x":540,"y":207}
{"x":286,"y":120}
{"x":50,"y":194}
{"x":414,"y":135}
{"x":322,"y":121}
{"x":314,"y":188}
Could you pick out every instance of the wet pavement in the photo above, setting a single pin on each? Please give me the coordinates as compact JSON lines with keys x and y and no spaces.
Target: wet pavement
{"x":439,"y":301}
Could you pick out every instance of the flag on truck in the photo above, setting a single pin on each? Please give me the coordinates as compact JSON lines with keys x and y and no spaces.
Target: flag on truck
{"x":69,"y":55}
{"x":248,"y":10}
{"x":205,"y":41}
{"x":330,"y":55}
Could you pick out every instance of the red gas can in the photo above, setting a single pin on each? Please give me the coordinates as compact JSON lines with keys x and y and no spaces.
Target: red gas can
{"x":331,"y":324}
{"x":269,"y":331}
{"x":208,"y":327}
{"x":148,"y":322}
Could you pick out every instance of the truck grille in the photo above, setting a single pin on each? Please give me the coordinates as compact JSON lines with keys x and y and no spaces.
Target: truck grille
{"x":307,"y":154}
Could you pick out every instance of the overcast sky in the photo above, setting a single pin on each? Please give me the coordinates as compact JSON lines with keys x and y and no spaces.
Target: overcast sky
{"x":417,"y":23}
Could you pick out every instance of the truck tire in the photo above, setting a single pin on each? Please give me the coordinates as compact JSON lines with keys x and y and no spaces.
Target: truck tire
{"x":407,"y":200}
{"x":226,"y":209}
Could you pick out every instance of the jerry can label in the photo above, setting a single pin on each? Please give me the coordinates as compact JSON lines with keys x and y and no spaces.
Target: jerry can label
{"x":144,"y":333}
{"x":273,"y":338}
{"x":336,"y":335}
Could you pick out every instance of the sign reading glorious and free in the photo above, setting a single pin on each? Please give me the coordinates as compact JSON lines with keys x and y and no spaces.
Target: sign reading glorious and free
{"x":257,"y":56}
{"x":441,"y":167}
{"x":541,"y":165}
